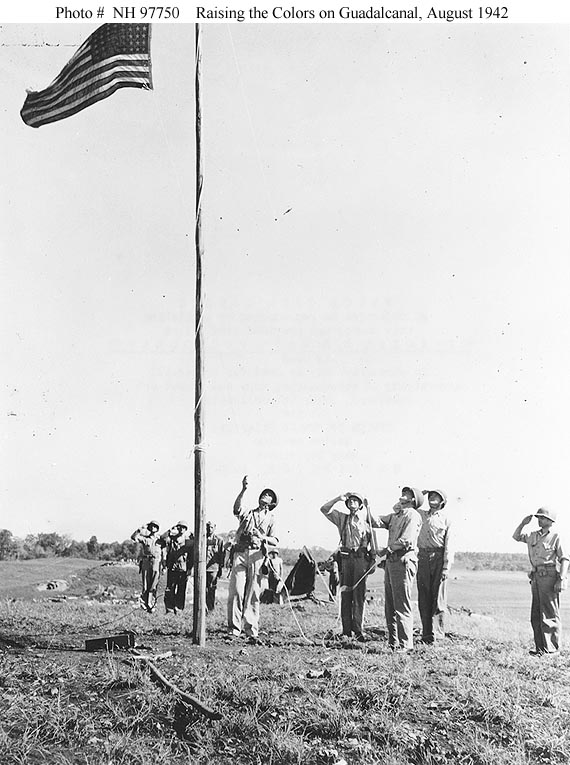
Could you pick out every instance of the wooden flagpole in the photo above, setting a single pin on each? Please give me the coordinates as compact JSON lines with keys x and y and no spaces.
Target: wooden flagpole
{"x":199,"y":601}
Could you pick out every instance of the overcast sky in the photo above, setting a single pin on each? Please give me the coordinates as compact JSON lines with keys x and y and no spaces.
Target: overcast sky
{"x":386,"y":225}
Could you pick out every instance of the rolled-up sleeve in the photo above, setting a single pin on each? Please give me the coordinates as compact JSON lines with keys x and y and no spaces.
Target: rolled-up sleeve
{"x":333,"y":516}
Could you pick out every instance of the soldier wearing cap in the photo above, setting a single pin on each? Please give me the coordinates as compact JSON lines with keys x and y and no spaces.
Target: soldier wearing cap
{"x":355,"y":556}
{"x":401,"y":566}
{"x":254,"y":538}
{"x":434,"y":561}
{"x":214,"y":564}
{"x":149,"y":562}
{"x":179,"y":561}
{"x":548,"y":577}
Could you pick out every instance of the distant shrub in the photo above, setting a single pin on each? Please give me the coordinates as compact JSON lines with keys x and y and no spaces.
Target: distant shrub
{"x":475,"y":561}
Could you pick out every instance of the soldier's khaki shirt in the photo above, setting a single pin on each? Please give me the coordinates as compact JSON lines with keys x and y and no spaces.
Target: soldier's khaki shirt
{"x":403,"y":529}
{"x":544,"y":548}
{"x":435,"y":532}
{"x":353,"y":528}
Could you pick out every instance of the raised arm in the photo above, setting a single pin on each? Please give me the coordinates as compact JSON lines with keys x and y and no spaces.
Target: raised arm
{"x":328,"y":506}
{"x":518,"y":536}
{"x":139,"y":533}
{"x":237,"y":503}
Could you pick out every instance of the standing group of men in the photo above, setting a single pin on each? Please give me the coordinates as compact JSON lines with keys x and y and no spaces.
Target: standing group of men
{"x":418,"y":545}
{"x":254,"y":561}
{"x":418,"y":549}
{"x":418,"y":542}
{"x":173,"y":551}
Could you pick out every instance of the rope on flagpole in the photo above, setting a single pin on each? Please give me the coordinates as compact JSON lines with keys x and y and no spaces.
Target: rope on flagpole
{"x":198,"y":219}
{"x":199,"y":604}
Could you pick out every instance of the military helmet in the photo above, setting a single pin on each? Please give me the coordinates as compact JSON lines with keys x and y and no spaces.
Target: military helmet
{"x":354,"y":495}
{"x":418,"y":496}
{"x":441,"y":493}
{"x":275,"y":501}
{"x":545,"y":512}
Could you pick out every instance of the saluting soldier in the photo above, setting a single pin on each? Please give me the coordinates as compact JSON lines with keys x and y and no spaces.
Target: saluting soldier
{"x":179,"y":561}
{"x":548,"y":577}
{"x":355,"y":556}
{"x":150,"y":558}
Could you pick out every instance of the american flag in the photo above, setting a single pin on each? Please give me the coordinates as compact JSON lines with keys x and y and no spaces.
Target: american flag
{"x":114,"y":56}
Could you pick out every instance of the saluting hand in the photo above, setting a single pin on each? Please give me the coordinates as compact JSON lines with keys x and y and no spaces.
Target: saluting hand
{"x":244,"y":483}
{"x":527,"y":519}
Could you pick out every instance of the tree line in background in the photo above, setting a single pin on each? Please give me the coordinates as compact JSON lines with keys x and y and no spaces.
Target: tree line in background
{"x":50,"y":545}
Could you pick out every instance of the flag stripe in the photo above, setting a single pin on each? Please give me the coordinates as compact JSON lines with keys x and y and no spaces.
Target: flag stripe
{"x":114,"y":56}
{"x":72,"y":106}
{"x":88,"y":77}
{"x":59,"y":114}
{"x":137,"y":61}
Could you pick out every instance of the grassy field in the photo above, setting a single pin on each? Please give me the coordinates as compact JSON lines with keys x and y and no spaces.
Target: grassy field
{"x":478,"y":698}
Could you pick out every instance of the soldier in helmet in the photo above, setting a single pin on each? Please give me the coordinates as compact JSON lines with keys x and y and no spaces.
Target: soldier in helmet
{"x":149,"y":562}
{"x":434,"y":561}
{"x":275,"y":584}
{"x":403,"y":526}
{"x":254,"y":537}
{"x":355,"y":556}
{"x":548,"y":577}
{"x":179,"y":561}
{"x":214,"y":564}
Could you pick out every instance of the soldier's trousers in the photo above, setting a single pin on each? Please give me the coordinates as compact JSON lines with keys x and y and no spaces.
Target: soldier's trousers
{"x":150,"y":574}
{"x":244,"y":592}
{"x":175,"y":592}
{"x":399,"y":577}
{"x":211,"y":584}
{"x":353,"y":574}
{"x":432,"y":594}
{"x":545,"y":610}
{"x":333,"y":584}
